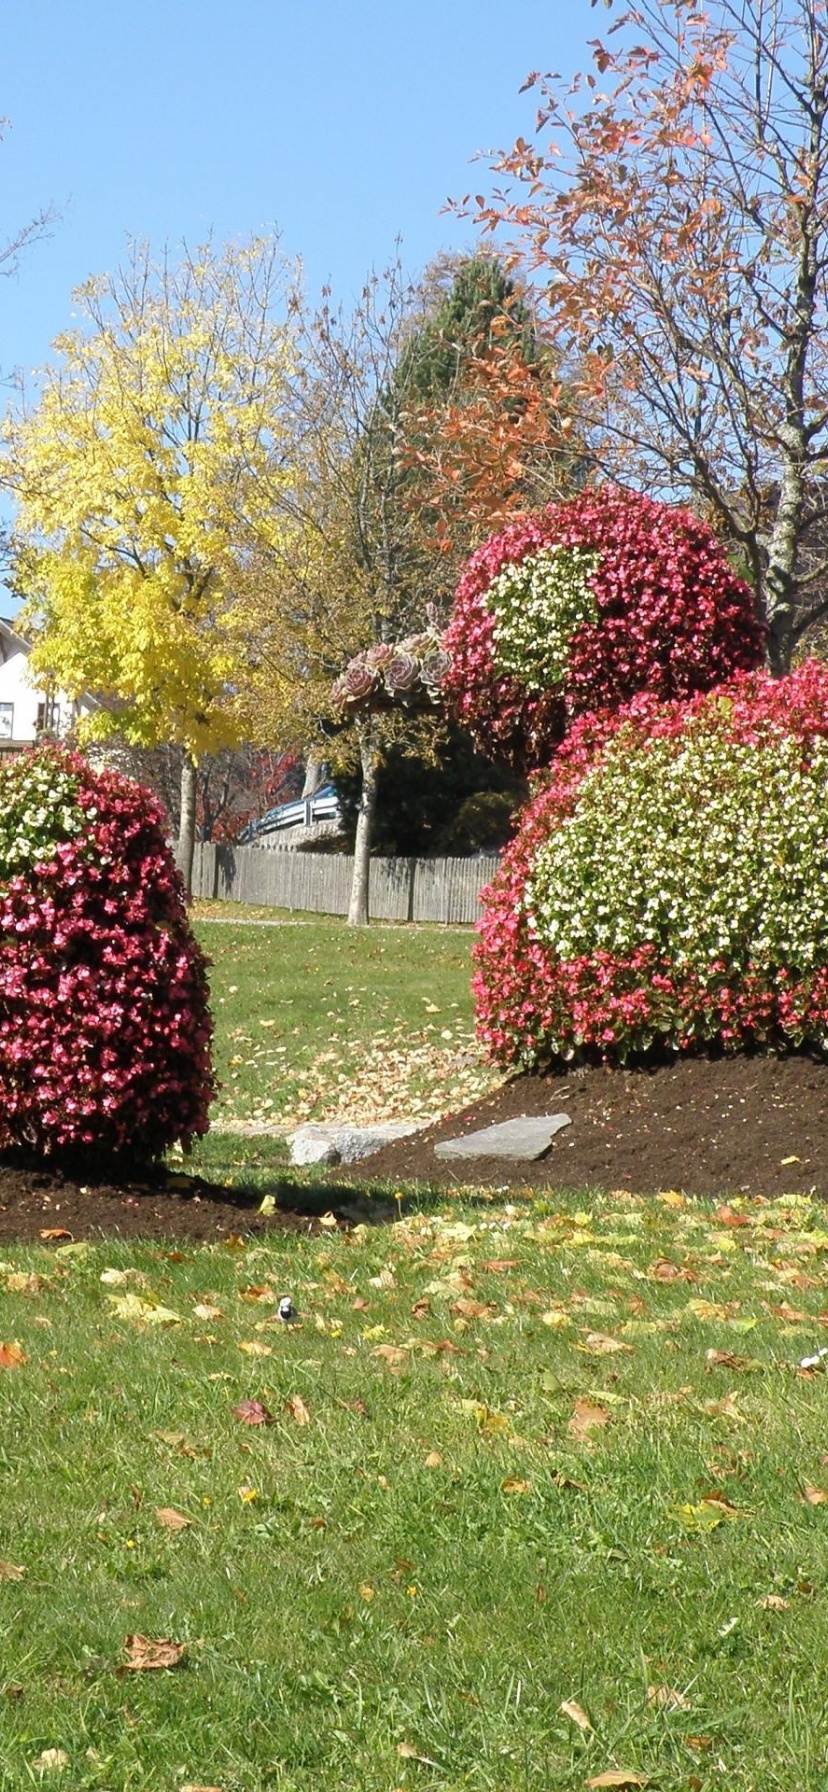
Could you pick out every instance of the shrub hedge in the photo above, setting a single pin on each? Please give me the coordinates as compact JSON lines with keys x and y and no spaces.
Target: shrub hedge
{"x":104,"y":1020}
{"x":669,"y":884}
{"x":582,"y":606}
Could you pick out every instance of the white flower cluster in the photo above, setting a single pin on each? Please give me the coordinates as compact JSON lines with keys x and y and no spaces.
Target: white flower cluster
{"x":702,"y":846}
{"x":537,"y":605}
{"x":38,"y":807}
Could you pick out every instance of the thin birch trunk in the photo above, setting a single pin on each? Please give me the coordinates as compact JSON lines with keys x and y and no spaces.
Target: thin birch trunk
{"x":185,"y":850}
{"x":369,"y":759}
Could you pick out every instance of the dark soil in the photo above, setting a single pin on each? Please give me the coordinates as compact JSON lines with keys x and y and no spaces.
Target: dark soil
{"x":706,"y":1126}
{"x":56,"y":1207}
{"x":754,"y":1125}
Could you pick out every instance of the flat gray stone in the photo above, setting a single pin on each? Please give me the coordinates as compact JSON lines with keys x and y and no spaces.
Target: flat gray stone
{"x":314,"y":1144}
{"x":523,"y":1140}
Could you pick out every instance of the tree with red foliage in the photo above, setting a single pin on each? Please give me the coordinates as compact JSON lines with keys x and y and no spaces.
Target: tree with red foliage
{"x":674,"y":206}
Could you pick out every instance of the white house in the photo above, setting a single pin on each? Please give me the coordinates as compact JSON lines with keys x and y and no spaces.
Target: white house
{"x":26,"y":711}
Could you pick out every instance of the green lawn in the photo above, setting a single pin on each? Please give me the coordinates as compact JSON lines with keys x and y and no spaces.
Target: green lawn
{"x":504,"y":1472}
{"x":317,"y":1019}
{"x":543,"y":1496}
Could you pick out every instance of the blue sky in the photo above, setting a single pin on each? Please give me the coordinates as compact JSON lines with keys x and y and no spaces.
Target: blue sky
{"x":345,"y":125}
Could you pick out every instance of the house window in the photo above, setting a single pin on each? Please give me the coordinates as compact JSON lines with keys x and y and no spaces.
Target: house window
{"x":6,"y":721}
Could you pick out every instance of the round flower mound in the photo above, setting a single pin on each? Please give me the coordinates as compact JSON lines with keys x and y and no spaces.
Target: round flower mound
{"x":669,"y":885}
{"x":581,"y":607}
{"x":104,"y":1020}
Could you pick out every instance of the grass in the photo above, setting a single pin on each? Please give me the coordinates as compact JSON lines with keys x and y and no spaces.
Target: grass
{"x":518,"y":1478}
{"x":543,"y":1496}
{"x":321,"y":1020}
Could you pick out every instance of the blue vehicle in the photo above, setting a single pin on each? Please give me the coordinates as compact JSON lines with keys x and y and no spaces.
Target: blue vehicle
{"x":322,"y":806}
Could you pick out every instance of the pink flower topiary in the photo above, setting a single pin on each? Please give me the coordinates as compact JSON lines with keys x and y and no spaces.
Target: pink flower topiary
{"x":104,"y":1021}
{"x":583,"y":605}
{"x":669,"y":884}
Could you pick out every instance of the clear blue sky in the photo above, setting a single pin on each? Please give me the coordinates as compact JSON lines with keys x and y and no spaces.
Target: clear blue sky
{"x":344,"y":124}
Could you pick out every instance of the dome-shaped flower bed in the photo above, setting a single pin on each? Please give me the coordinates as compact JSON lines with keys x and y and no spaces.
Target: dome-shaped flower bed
{"x":669,"y":885}
{"x":104,"y":1021}
{"x":582,"y":606}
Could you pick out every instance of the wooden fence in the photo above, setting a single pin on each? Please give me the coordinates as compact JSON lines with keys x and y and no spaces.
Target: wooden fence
{"x":398,"y":889}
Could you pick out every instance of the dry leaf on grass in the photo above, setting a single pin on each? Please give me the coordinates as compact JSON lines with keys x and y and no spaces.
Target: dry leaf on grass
{"x":726,"y":1359}
{"x":619,"y":1777}
{"x":50,"y":1232}
{"x":587,"y":1416}
{"x":433,"y":1459}
{"x":392,"y":1355}
{"x":667,"y":1698}
{"x":576,"y":1714}
{"x":19,"y":1282}
{"x":52,"y":1760}
{"x":143,"y":1654}
{"x":252,"y":1412}
{"x":513,"y":1484}
{"x":11,"y":1571}
{"x":600,"y":1344}
{"x":172,"y":1520}
{"x":192,"y":1788}
{"x":773,"y":1602}
{"x":205,"y":1310}
{"x":814,"y":1496}
{"x":252,"y":1347}
{"x":11,"y":1356}
{"x":295,"y":1405}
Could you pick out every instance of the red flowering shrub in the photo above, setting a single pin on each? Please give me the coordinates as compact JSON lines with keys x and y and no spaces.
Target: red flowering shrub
{"x":104,"y":1020}
{"x":670,"y":883}
{"x":582,"y":606}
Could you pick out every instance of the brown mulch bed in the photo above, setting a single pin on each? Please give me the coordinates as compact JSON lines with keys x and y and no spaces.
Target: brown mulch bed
{"x":753,"y":1125}
{"x":55,"y":1207}
{"x":707,"y":1126}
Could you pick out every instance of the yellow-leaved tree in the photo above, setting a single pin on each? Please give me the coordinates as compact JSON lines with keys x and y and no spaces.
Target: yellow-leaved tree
{"x":145,"y":478}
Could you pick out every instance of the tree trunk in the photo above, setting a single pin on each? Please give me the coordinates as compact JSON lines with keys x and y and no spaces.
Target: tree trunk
{"x":314,"y":776}
{"x":186,"y":833}
{"x":369,"y":759}
{"x":780,"y":574}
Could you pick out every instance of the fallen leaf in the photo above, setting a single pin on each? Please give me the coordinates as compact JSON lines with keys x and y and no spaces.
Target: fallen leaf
{"x":394,"y":1357}
{"x":556,"y":1319}
{"x":252,"y":1412}
{"x":665,"y":1271}
{"x":815,"y":1496}
{"x":52,"y":1760}
{"x":192,"y":1788}
{"x":513,"y":1484}
{"x":667,"y":1698}
{"x":600,"y":1344}
{"x":587,"y":1416}
{"x":434,"y":1459}
{"x":367,"y":1592}
{"x":327,"y":1219}
{"x":171,"y":1519}
{"x":619,"y":1777}
{"x":10,"y":1571}
{"x":727,"y":1359}
{"x":420,"y":1309}
{"x":143,"y":1312}
{"x":473,"y":1309}
{"x":295,"y":1405}
{"x":205,"y":1310}
{"x":50,"y":1232}
{"x":21,"y":1283}
{"x":252,"y":1347}
{"x":11,"y":1356}
{"x":774,"y":1602}
{"x":785,"y":1161}
{"x":263,"y":1294}
{"x":576,"y":1714}
{"x":144,"y":1654}
{"x":497,"y":1266}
